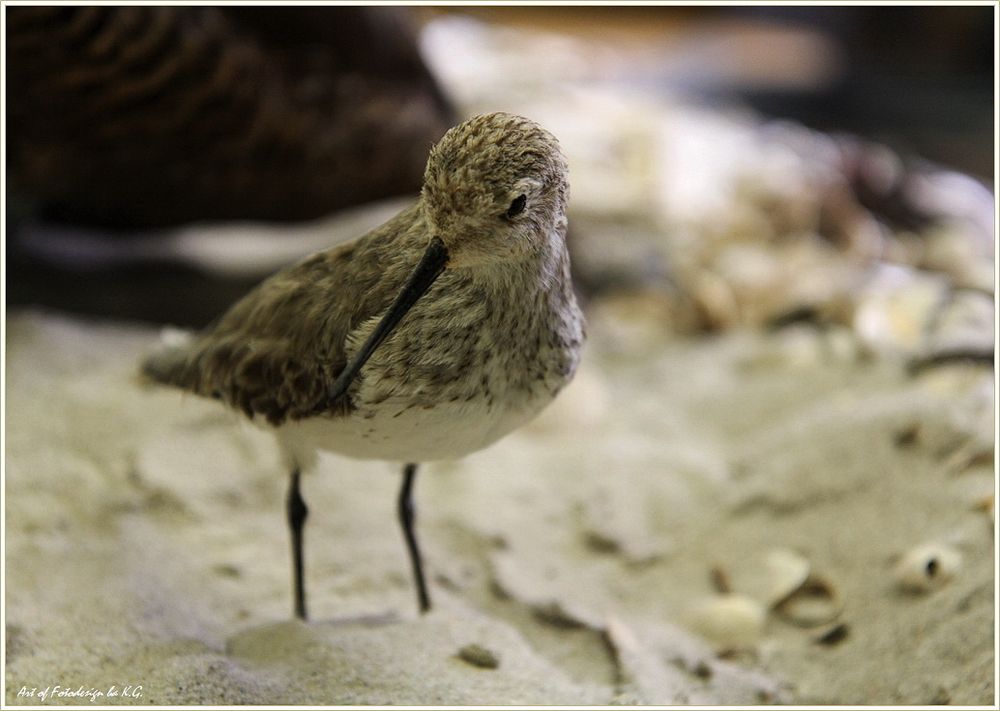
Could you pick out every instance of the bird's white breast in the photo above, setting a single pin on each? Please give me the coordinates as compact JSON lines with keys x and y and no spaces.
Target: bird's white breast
{"x":396,"y":432}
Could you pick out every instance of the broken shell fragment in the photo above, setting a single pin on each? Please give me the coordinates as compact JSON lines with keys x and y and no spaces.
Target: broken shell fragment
{"x":815,"y":602}
{"x":927,"y":566}
{"x":787,"y":572}
{"x":728,"y":621}
{"x":768,"y":578}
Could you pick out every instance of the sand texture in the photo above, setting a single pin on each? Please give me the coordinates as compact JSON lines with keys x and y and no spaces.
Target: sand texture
{"x":146,"y":544}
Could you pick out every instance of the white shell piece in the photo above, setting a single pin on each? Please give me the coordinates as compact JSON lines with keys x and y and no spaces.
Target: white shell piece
{"x":787,"y":571}
{"x":728,"y":621}
{"x":927,"y":566}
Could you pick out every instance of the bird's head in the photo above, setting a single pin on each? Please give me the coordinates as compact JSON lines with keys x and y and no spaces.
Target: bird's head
{"x":495,"y":188}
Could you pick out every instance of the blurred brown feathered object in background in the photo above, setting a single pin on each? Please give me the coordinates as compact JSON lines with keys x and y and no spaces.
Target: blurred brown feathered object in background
{"x":154,"y":116}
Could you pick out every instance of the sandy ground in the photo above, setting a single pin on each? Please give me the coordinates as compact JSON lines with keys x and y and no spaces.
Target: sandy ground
{"x":146,"y":545}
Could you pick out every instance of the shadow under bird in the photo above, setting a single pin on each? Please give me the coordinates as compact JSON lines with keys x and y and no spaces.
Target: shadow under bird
{"x":428,"y":338}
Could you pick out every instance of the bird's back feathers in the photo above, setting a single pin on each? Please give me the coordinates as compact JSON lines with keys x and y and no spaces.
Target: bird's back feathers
{"x":276,"y":351}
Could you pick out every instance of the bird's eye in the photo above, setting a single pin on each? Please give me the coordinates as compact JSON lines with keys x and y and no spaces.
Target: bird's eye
{"x":517,"y":206}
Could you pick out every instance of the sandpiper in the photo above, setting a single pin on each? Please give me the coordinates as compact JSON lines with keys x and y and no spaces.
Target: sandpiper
{"x":428,"y":338}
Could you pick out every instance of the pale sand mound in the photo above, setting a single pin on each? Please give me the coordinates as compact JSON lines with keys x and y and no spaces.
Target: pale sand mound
{"x":146,"y":543}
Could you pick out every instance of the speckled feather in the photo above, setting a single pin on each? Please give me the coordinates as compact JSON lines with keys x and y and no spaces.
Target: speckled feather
{"x":494,"y":338}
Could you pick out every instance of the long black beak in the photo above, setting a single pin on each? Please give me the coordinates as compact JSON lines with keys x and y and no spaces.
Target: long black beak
{"x":431,"y":265}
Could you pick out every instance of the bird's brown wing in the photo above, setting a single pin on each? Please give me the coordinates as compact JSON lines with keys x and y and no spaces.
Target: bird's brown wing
{"x":277,"y":351}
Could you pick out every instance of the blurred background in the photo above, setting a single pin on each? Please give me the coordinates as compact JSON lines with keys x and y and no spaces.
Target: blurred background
{"x":161,"y":161}
{"x":917,"y":78}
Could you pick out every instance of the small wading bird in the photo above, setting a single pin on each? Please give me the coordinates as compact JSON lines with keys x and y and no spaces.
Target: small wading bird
{"x":428,"y":338}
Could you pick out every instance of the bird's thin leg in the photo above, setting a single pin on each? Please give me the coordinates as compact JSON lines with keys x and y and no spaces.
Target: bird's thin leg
{"x":297,"y":512}
{"x":406,"y":519}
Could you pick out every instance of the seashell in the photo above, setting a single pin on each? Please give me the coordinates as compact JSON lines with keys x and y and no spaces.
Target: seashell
{"x":957,"y":250}
{"x":965,"y":322}
{"x":768,"y":578}
{"x":787,"y":572}
{"x":815,"y":602}
{"x":927,"y":566}
{"x":894,"y":308}
{"x":728,"y":621}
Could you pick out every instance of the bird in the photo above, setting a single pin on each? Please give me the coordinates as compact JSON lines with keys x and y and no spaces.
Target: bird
{"x":147,"y":117}
{"x":428,"y":338}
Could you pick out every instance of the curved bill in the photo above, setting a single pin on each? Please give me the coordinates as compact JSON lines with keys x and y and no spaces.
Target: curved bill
{"x":430,"y":267}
